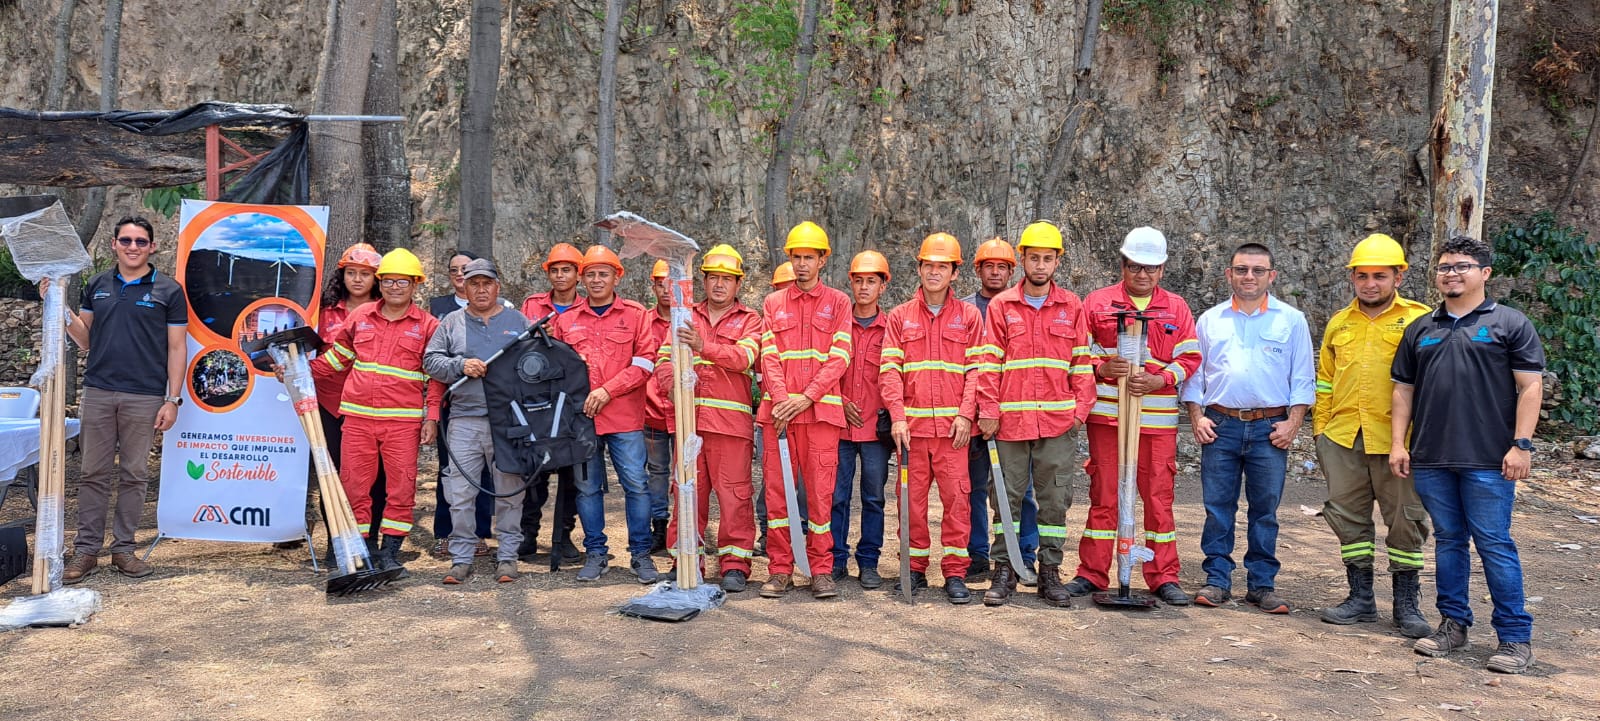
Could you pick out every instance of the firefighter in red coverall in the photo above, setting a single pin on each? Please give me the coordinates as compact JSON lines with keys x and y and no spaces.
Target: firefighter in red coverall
{"x":658,"y":421}
{"x":612,"y":335}
{"x":1173,"y":354}
{"x":1037,"y":335}
{"x":389,"y":406}
{"x":726,"y":340}
{"x":804,"y":352}
{"x":930,"y":386}
{"x":561,"y":269}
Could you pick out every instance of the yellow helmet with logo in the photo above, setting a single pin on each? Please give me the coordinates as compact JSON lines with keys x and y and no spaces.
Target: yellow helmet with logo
{"x":1378,"y":250}
{"x":807,"y":235}
{"x":401,"y":262}
{"x":1041,"y":234}
{"x":724,"y":259}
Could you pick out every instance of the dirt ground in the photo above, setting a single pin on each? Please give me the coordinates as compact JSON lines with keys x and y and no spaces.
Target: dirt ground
{"x":245,"y":632}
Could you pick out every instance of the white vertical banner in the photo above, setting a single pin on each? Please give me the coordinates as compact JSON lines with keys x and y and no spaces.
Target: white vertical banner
{"x":234,"y":466}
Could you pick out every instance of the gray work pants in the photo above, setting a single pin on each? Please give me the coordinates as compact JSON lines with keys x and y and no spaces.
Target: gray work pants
{"x":471,"y":448}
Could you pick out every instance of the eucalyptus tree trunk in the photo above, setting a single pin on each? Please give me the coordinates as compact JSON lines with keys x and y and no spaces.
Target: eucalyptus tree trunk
{"x":388,"y":223}
{"x":1459,"y":142}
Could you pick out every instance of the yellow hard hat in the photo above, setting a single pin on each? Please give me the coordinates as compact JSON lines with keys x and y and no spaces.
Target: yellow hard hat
{"x":401,"y":262}
{"x":1378,"y":250}
{"x":870,"y":261}
{"x":784,"y":274}
{"x":1040,"y":234}
{"x":725,"y":259}
{"x":940,"y":248}
{"x":807,"y":235}
{"x":659,"y":270}
{"x":995,"y":249}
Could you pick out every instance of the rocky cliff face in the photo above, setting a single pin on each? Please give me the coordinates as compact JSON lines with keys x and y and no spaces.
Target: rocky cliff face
{"x":1296,"y":123}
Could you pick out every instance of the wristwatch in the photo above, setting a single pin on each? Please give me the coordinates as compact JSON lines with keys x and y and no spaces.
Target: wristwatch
{"x":174,"y":400}
{"x":1525,"y":444}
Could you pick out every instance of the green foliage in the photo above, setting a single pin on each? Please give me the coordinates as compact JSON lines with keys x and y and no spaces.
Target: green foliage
{"x":1558,"y":286}
{"x":769,"y":33}
{"x":12,"y":284}
{"x":166,"y":201}
{"x":1156,"y":20}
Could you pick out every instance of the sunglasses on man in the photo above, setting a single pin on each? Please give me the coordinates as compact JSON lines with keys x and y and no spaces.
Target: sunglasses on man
{"x":128,"y":241}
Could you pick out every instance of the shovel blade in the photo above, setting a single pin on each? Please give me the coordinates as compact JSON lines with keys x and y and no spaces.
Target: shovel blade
{"x":644,"y":237}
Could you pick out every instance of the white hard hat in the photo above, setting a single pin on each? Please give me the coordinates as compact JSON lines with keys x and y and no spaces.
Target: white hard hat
{"x":1145,"y":246}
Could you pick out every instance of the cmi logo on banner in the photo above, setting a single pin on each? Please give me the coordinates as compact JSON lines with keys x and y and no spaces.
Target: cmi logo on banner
{"x":234,"y":466}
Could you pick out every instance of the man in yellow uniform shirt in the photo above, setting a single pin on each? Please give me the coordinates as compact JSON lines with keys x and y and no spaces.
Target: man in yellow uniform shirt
{"x":1352,"y":423}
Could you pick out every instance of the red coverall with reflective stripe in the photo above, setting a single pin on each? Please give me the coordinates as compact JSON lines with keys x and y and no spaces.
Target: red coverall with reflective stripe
{"x":657,"y":407}
{"x":805,"y":350}
{"x":1045,"y":383}
{"x":860,"y":382}
{"x":724,"y":421}
{"x":930,"y":377}
{"x":538,"y":305}
{"x":1173,"y":353}
{"x":386,"y":397}
{"x":620,"y":355}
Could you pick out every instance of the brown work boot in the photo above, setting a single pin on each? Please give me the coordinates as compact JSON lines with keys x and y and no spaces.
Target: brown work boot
{"x":1051,"y":589}
{"x":777,"y":584}
{"x":823,"y":586}
{"x":80,"y":567}
{"x":1002,"y":584}
{"x":131,"y":566}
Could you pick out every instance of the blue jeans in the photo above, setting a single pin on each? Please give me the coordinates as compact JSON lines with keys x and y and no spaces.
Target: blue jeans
{"x":1476,"y":504}
{"x":627,"y":457}
{"x":1241,"y":448}
{"x":978,"y":546}
{"x":874,"y":475}
{"x":658,"y":464}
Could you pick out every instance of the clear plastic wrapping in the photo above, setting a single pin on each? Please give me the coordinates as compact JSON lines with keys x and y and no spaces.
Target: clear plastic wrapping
{"x":61,"y":607}
{"x":44,"y":244}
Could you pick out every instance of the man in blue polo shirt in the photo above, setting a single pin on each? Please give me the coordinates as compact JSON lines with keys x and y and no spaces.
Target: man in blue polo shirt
{"x":1468,"y":383}
{"x":134,"y":323}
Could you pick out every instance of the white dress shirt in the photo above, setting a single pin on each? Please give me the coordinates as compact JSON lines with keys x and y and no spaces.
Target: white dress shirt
{"x":1260,"y":360}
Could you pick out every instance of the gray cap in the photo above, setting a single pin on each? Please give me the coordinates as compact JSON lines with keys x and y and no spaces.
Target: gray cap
{"x":481,"y":266}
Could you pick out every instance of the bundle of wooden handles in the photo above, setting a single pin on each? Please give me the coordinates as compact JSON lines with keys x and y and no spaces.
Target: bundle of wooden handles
{"x":52,"y":473}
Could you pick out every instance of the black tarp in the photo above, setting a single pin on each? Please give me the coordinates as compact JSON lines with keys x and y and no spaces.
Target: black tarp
{"x":156,"y":149}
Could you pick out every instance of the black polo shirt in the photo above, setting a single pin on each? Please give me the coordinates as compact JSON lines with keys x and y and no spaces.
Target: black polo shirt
{"x":1464,"y":399}
{"x":128,"y":335}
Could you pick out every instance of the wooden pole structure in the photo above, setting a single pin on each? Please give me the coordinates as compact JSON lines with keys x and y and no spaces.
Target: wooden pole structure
{"x":1459,"y":143}
{"x":52,"y":468}
{"x":688,"y":561}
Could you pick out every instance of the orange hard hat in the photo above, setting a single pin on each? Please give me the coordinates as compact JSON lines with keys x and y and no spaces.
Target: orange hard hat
{"x":659,"y":270}
{"x":600,"y":255}
{"x":563,"y":253}
{"x":784,"y":274}
{"x":362,"y":255}
{"x":995,"y":249}
{"x":940,"y":248}
{"x":870,"y":261}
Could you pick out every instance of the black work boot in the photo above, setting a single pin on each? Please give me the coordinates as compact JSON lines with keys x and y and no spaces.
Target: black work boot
{"x":389,"y":556}
{"x":1358,"y":607}
{"x":1407,"y":609}
{"x":658,"y":535}
{"x":919,"y":581}
{"x":955,"y":589}
{"x":1002,"y":584}
{"x":1051,"y":589}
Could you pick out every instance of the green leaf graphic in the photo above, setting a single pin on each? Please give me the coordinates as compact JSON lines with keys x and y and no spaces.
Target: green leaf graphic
{"x":196,"y":470}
